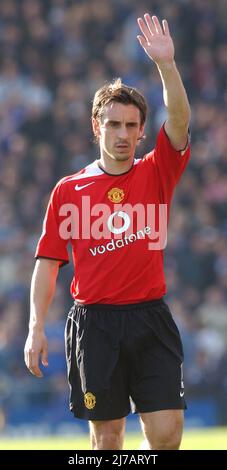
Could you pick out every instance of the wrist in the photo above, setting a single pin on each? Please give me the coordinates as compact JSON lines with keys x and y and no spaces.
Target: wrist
{"x":36,"y":325}
{"x":167,"y":65}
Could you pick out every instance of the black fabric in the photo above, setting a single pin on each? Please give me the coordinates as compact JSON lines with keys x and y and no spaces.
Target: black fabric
{"x":128,"y":357}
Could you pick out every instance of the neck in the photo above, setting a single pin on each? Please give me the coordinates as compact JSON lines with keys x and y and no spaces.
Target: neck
{"x":115,"y":167}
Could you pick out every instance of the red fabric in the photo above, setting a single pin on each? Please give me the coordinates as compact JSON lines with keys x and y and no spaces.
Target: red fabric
{"x":106,"y":270}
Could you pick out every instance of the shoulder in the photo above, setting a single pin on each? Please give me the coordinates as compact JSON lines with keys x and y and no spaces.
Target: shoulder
{"x":161,"y":139}
{"x":146,"y":159}
{"x":164,"y":149}
{"x":163,"y":143}
{"x":90,"y":171}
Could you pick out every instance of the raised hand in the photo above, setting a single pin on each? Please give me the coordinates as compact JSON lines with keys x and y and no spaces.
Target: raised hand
{"x":156,"y":39}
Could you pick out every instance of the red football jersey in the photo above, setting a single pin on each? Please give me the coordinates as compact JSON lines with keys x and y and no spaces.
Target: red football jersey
{"x":113,"y":225}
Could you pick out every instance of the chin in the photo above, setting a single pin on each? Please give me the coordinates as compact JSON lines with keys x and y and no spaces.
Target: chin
{"x":122,"y":158}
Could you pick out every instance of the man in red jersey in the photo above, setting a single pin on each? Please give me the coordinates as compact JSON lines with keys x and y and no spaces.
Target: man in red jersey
{"x":123,"y":348}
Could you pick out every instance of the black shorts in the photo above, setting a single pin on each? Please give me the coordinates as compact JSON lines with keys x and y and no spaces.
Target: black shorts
{"x":122,"y":358}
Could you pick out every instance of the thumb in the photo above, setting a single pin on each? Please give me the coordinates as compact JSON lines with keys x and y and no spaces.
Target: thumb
{"x":44,"y":356}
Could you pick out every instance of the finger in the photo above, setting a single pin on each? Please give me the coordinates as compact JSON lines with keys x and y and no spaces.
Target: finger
{"x":157,"y":25}
{"x":33,"y":364}
{"x":150,"y":24}
{"x":44,"y":356}
{"x":36,"y":371}
{"x":144,"y":29}
{"x":142,"y":41}
{"x":165,"y":27}
{"x":26,"y":358}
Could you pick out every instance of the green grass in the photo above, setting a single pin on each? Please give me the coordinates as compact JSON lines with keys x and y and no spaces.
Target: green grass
{"x":198,"y":439}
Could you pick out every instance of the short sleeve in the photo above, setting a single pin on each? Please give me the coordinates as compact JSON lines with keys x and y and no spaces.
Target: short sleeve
{"x":51,"y":245}
{"x":169,"y":162}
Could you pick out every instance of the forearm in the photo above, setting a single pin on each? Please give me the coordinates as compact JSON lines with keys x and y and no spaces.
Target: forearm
{"x":174,"y":95}
{"x":42,"y":291}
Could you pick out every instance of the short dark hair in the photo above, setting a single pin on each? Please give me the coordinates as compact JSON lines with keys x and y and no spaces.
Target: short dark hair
{"x":120,"y":93}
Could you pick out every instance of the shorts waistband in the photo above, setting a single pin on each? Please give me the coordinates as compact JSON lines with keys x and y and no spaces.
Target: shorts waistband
{"x":148,"y":303}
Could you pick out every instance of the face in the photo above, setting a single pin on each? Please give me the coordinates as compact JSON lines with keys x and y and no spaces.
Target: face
{"x":118,"y":131}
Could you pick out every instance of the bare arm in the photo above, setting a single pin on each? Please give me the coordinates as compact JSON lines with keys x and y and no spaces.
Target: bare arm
{"x":158,"y":45}
{"x":42,"y":291}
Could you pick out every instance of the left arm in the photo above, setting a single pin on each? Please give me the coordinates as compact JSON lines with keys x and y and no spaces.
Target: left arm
{"x":158,"y":45}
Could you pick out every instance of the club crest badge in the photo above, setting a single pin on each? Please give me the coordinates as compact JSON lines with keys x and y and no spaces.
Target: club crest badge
{"x":116,"y":195}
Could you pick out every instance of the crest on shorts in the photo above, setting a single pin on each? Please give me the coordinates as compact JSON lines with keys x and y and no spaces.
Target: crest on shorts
{"x":89,"y":400}
{"x":116,"y":195}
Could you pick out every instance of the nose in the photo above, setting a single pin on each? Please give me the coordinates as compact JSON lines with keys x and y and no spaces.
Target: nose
{"x":123,"y":132}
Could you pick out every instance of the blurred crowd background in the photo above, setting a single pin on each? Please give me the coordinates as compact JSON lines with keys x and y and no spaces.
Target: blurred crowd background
{"x":54,"y":54}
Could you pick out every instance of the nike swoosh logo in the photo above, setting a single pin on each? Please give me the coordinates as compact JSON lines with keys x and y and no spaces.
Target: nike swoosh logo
{"x":181,"y":394}
{"x":78,"y":188}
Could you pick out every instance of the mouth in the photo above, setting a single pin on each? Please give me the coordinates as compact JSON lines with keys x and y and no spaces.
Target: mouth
{"x":122,"y":146}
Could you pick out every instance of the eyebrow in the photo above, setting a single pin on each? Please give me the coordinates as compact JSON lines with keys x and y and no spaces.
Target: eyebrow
{"x":114,"y":121}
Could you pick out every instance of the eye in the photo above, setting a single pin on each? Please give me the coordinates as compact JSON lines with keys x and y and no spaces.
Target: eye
{"x":132,"y":124}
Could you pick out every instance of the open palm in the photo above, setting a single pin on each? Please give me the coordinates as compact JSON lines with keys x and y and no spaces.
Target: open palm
{"x":156,"y":39}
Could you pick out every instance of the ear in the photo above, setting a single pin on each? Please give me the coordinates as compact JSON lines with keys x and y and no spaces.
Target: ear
{"x":96,"y":127}
{"x":141,"y":135}
{"x":141,"y":132}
